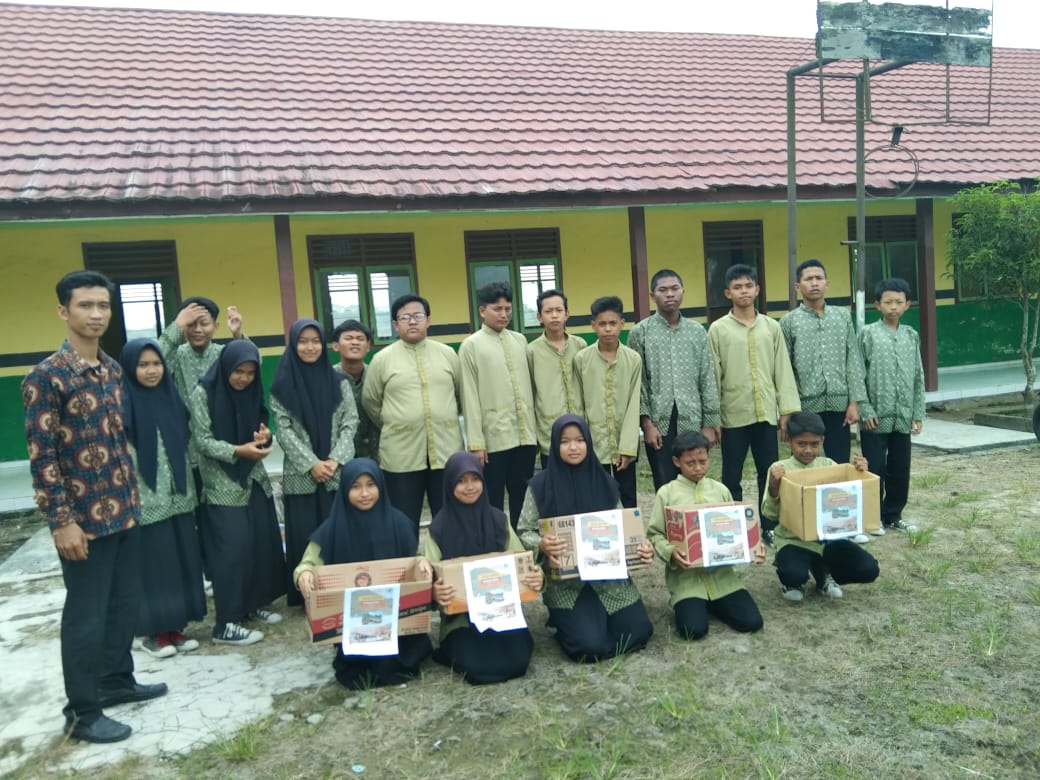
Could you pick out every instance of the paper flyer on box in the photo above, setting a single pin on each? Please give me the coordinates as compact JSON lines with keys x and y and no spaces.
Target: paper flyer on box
{"x":370,"y":620}
{"x":724,"y":540}
{"x":839,"y":510}
{"x":599,"y":546}
{"x":493,"y":594}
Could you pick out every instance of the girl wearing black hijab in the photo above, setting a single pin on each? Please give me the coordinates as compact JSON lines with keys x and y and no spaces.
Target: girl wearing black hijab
{"x":363,"y":526}
{"x":171,"y":567}
{"x":467,"y":524}
{"x":593,"y":620}
{"x":315,"y":423}
{"x":240,"y":532}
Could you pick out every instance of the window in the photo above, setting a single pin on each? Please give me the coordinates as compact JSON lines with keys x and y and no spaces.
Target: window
{"x":359,"y":276}
{"x":147,"y":294}
{"x":891,"y":251}
{"x":528,"y":259}
{"x":727,"y":244}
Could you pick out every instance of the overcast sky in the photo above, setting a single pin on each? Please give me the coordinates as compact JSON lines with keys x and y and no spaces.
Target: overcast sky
{"x":1016,"y":23}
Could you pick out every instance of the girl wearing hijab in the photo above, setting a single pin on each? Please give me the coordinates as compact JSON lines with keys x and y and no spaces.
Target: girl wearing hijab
{"x":363,"y":526}
{"x":241,"y":535}
{"x":467,"y":524}
{"x":315,"y":423}
{"x":593,"y":620}
{"x":171,"y":572}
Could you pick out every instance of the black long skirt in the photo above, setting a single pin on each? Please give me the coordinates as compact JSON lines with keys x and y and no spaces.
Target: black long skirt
{"x":303,"y":514}
{"x":172,"y":594}
{"x":489,"y":657}
{"x":359,"y":672}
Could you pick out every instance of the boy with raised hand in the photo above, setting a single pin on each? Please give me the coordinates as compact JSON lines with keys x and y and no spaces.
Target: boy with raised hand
{"x":352,"y":341}
{"x":606,"y":375}
{"x":825,"y":356}
{"x":497,"y":400}
{"x":757,"y":390}
{"x":678,"y":388}
{"x":696,"y":593}
{"x":895,"y":399}
{"x":187,"y":342}
{"x":550,"y":358}
{"x":832,"y":563}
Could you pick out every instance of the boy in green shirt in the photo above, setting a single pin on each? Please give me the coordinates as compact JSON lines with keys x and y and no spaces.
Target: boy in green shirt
{"x":352,"y":341}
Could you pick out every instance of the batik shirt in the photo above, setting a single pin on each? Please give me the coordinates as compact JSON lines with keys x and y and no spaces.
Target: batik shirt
{"x":366,"y":439}
{"x":825,"y":356}
{"x":895,"y":377}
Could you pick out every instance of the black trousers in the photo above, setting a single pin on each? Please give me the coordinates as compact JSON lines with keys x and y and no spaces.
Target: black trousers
{"x":888,"y":456}
{"x":303,"y":514}
{"x":737,"y":610}
{"x":586,"y":632}
{"x":407,"y":488}
{"x":489,"y":657}
{"x":509,"y":470}
{"x":97,"y":622}
{"x":626,"y":482}
{"x":761,"y":438}
{"x":200,"y":521}
{"x":837,"y":442}
{"x":661,"y":466}
{"x":844,"y":560}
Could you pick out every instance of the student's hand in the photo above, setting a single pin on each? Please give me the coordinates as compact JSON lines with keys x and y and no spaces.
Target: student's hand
{"x":869,"y":424}
{"x":712,"y":433}
{"x":305,"y":583}
{"x":189,"y":314}
{"x":646,"y":553}
{"x":782,"y":422}
{"x":234,"y":321}
{"x":652,"y":436}
{"x":321,"y":473}
{"x":622,"y":462}
{"x":443,"y":593}
{"x":758,"y":553}
{"x":552,"y":547}
{"x":679,"y":559}
{"x":263,"y":436}
{"x":860,"y":463}
{"x":533,"y":579}
{"x":916,"y":426}
{"x":776,"y":473}
{"x":481,"y":456}
{"x":851,"y":414}
{"x":71,"y":542}
{"x":251,"y":451}
{"x":425,"y":568}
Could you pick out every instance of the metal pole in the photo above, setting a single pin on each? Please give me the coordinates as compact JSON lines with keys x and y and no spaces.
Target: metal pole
{"x":859,"y":256}
{"x":792,"y":193}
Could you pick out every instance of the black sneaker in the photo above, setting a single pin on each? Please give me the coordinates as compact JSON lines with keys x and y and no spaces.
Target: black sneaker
{"x":234,"y":634}
{"x":767,"y":538}
{"x":102,"y":730}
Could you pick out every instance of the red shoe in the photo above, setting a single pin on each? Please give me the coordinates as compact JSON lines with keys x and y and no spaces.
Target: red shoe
{"x":183,"y":643}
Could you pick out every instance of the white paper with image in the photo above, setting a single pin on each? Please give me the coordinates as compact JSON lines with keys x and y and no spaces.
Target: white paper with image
{"x":493,"y":594}
{"x":599,"y":545}
{"x":370,"y":620}
{"x":839,"y":510}
{"x":724,"y":539}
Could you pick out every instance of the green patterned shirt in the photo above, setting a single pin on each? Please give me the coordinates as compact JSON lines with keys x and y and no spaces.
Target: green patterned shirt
{"x":296,"y":444}
{"x":895,"y":377}
{"x":825,"y":357}
{"x":164,"y":502}
{"x":366,"y":439}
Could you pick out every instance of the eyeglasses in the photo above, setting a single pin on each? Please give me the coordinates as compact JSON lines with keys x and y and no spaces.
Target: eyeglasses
{"x":417,"y":317}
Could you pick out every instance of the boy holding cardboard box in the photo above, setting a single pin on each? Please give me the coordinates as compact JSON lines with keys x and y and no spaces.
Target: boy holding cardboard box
{"x":696,"y":593}
{"x":833,"y":562}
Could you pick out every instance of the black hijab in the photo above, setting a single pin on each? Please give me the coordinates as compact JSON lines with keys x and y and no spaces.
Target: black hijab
{"x":467,"y":529}
{"x":562,"y":489}
{"x":350,"y":535}
{"x":310,"y":391}
{"x":235,"y":415}
{"x":151,"y":411}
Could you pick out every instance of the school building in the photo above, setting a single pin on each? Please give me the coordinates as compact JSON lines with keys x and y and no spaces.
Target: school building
{"x":297,"y":166}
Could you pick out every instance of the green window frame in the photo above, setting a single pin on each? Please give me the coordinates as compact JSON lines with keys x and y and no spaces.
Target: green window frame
{"x":358,"y":276}
{"x":891,"y":249}
{"x":529,"y":260}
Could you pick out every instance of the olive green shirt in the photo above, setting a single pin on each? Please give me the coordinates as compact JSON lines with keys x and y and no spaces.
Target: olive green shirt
{"x":610,"y":396}
{"x":552,"y":383}
{"x":771,"y":506}
{"x":295,"y":442}
{"x":497,"y":401}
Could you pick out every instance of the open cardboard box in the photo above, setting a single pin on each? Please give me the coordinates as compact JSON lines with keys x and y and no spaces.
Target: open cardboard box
{"x":683,"y":526}
{"x":563,"y":527}
{"x":325,"y":605}
{"x":450,"y":571}
{"x":798,"y":497}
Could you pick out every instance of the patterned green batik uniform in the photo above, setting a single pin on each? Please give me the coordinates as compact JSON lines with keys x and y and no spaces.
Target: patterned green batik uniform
{"x":164,"y":502}
{"x":825,"y":356}
{"x":895,"y":377}
{"x":296,"y":444}
{"x":366,"y":438}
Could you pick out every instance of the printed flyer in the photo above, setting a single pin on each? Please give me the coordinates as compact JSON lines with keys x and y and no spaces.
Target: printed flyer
{"x":724,"y":539}
{"x":493,"y":594}
{"x":370,"y":620}
{"x":600,"y":546}
{"x":839,"y":510}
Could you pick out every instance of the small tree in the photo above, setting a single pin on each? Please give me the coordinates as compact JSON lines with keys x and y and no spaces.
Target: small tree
{"x":995,"y":248}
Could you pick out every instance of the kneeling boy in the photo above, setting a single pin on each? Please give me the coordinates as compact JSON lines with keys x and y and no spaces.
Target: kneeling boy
{"x":833,"y":562}
{"x":696,"y":593}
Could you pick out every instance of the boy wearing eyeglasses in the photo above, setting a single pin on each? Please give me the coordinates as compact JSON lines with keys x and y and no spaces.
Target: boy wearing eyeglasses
{"x":412,"y":393}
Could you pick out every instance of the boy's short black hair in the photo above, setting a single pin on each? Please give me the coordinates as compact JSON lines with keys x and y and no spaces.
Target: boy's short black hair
{"x":664,"y":273}
{"x":739,"y":271}
{"x":206,"y":303}
{"x":689,"y":440}
{"x":895,"y":284}
{"x":404,"y":300}
{"x":493,"y":291}
{"x":551,"y":294}
{"x":805,"y":422}
{"x":74,"y":280}
{"x":348,"y":325}
{"x":607,"y":303}
{"x":810,"y":263}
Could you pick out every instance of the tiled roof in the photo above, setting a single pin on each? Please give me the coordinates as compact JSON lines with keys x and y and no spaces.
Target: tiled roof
{"x":133,"y":105}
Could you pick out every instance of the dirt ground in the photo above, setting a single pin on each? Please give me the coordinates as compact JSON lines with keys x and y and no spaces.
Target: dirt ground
{"x":929,"y":672}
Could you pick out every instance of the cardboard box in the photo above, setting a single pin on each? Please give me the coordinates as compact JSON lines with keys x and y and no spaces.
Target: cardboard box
{"x":450,"y":571}
{"x":798,"y":497}
{"x":325,"y":605}
{"x":683,"y":526}
{"x":563,"y":527}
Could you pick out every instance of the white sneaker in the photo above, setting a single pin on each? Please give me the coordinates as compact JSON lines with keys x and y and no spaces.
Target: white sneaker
{"x":879,"y":531}
{"x":795,"y":594}
{"x":860,"y":539}
{"x":265,"y":616}
{"x":905,"y":527}
{"x":829,"y":588}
